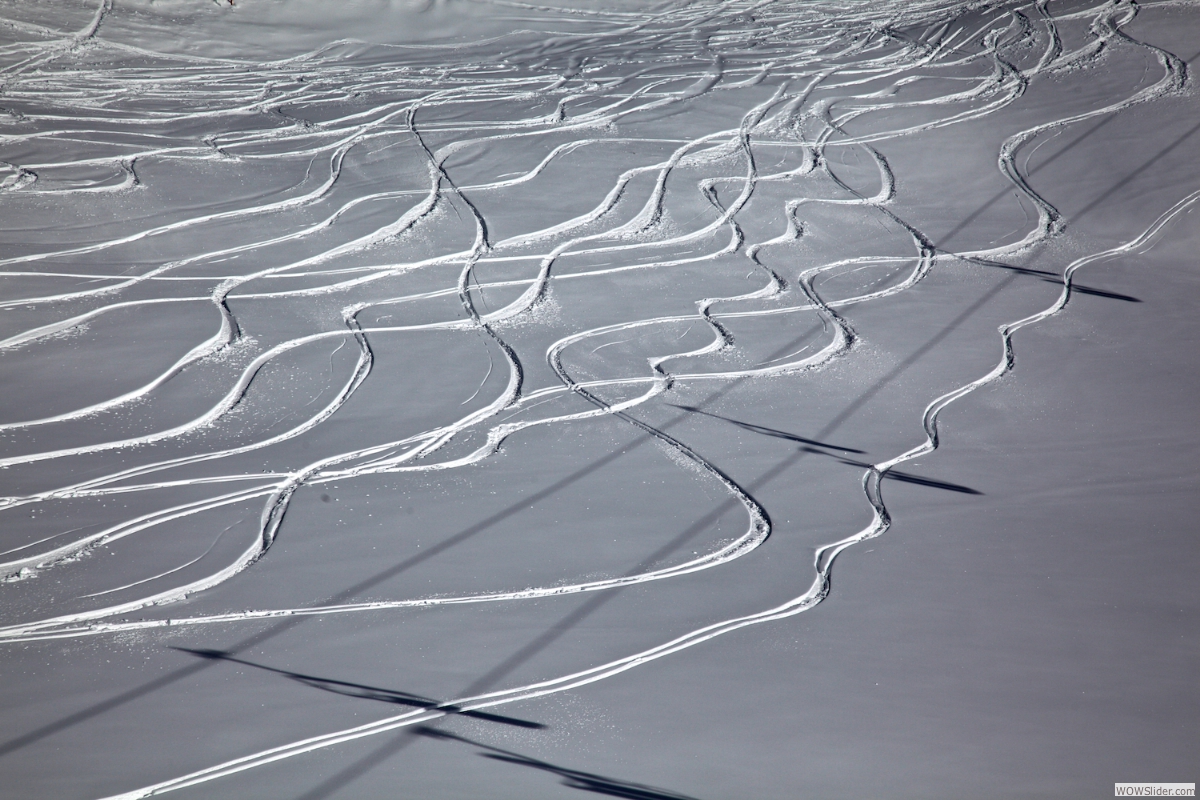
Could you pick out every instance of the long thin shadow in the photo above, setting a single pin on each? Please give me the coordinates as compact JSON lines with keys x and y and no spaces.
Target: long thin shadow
{"x":1003,"y":193}
{"x":765,"y":431}
{"x":361,"y":691}
{"x":405,"y":738}
{"x":905,"y":477}
{"x":573,"y":778}
{"x":1075,"y":289}
{"x":898,"y":475}
{"x":961,"y":226}
{"x":1138,"y":171}
{"x":1050,"y":276}
{"x":892,"y":474}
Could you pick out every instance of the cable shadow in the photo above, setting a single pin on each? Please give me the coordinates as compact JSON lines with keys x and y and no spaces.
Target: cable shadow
{"x":575,"y":779}
{"x":1138,"y":170}
{"x":593,"y":603}
{"x":765,"y":431}
{"x":1075,"y":289}
{"x":891,"y":474}
{"x":903,"y":477}
{"x":1048,"y":276}
{"x":1003,"y":193}
{"x":362,"y":691}
{"x":1051,"y":277}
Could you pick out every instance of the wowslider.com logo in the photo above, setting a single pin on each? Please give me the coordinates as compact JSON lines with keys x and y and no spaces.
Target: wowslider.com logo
{"x":1156,"y":790}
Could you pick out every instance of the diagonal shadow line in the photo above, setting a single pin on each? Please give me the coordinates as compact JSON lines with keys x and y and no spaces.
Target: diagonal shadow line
{"x":597,"y":600}
{"x":404,"y":738}
{"x":383,"y":753}
{"x":1137,"y":171}
{"x":105,"y":705}
{"x":49,"y":729}
{"x":895,"y":372}
{"x":166,"y":680}
{"x":906,"y":477}
{"x":399,"y":741}
{"x":588,"y":781}
{"x":1076,"y":289}
{"x":1048,"y":276}
{"x":778,"y":434}
{"x":1003,"y":193}
{"x":361,"y":691}
{"x":575,"y":779}
{"x":961,"y":226}
{"x":765,"y":431}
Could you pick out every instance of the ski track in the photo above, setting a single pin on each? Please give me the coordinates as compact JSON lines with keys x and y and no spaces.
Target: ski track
{"x":89,"y":120}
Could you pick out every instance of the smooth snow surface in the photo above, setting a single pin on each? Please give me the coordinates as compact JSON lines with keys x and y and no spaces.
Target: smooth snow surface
{"x":453,"y":375}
